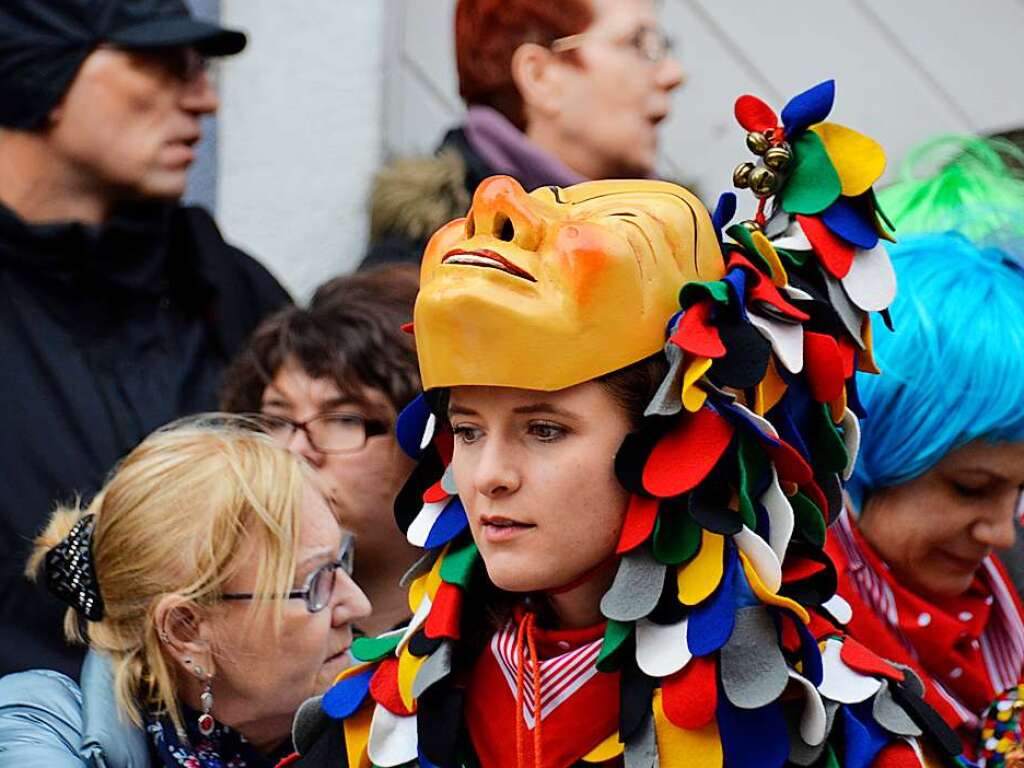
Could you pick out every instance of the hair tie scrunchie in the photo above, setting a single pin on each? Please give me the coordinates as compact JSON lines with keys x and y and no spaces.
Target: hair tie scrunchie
{"x":71,"y":573}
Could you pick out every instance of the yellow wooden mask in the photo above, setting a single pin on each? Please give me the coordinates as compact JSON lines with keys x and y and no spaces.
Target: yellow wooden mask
{"x":553,"y":288}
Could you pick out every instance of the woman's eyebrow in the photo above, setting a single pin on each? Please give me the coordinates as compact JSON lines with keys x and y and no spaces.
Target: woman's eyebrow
{"x":460,"y":410}
{"x":544,"y":408}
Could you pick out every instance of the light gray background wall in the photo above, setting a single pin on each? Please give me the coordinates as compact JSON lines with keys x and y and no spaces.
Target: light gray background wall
{"x":330,"y":88}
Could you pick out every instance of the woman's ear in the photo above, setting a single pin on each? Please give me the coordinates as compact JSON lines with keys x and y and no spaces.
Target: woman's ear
{"x":184,"y":631}
{"x":536,"y":75}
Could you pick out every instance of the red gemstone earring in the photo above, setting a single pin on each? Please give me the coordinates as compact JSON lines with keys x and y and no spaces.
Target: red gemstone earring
{"x":205,"y":721}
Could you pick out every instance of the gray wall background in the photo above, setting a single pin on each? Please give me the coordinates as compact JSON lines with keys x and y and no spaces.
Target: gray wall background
{"x":331,"y":88}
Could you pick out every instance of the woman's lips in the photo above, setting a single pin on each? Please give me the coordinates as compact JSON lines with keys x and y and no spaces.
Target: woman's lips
{"x":339,"y":656}
{"x":502,"y":528}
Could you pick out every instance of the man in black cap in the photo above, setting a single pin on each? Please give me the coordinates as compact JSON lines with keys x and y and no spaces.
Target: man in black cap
{"x":119,"y":307}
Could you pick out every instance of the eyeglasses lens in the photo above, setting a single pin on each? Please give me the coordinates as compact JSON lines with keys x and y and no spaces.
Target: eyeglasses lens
{"x":337,"y":432}
{"x":321,"y":588}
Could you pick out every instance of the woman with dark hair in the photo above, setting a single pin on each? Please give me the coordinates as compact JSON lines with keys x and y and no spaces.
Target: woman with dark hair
{"x":329,"y":380}
{"x":630,"y":445}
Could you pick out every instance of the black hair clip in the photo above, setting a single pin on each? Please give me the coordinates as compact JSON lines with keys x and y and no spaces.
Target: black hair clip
{"x":70,"y":573}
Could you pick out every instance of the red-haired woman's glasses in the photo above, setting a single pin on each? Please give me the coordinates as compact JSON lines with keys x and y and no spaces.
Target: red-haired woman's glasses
{"x":652,"y":43}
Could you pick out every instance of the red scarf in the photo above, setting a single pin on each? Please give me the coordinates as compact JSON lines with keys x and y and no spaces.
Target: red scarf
{"x":526,"y":672}
{"x":967,"y":650}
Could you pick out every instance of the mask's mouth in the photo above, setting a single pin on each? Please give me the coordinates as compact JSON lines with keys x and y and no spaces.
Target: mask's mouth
{"x":487,"y":259}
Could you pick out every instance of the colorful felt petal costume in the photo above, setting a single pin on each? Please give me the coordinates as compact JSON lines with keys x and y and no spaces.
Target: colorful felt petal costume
{"x":718,"y":649}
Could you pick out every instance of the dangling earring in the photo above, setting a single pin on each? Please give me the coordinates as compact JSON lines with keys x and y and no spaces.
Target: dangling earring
{"x":205,"y":721}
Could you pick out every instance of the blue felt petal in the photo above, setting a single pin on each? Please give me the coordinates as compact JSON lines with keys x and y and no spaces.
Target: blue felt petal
{"x":670,"y":326}
{"x":864,"y":737}
{"x":412,"y":421}
{"x":813,"y":668}
{"x":345,"y":697}
{"x":752,"y":736}
{"x":744,"y":595}
{"x":711,"y":623}
{"x":450,"y":524}
{"x":736,"y":281}
{"x":424,"y":762}
{"x":851,"y":223}
{"x":724,"y":212}
{"x":807,"y":108}
{"x":741,"y":419}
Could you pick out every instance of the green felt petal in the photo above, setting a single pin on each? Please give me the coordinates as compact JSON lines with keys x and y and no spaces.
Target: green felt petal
{"x":830,"y":757}
{"x":813,"y":184}
{"x":750,"y":464}
{"x":676,"y":537}
{"x":367,"y":649}
{"x":809,"y":519}
{"x":458,"y":564}
{"x":691,"y":292}
{"x":798,"y":258}
{"x":615,"y":634}
{"x":829,"y":446}
{"x":745,"y":239}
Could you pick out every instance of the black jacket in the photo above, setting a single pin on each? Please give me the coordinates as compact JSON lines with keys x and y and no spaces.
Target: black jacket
{"x":105,"y":335}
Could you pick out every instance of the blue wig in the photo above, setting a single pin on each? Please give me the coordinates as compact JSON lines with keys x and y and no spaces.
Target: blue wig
{"x":953,"y":371}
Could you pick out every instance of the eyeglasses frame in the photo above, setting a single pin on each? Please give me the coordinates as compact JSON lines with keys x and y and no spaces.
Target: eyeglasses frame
{"x":371,"y":428}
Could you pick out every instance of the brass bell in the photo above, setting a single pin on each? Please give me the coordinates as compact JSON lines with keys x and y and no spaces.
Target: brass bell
{"x":763,"y":181}
{"x":757,"y":142}
{"x":750,"y":225}
{"x":778,"y":157}
{"x":741,"y":176}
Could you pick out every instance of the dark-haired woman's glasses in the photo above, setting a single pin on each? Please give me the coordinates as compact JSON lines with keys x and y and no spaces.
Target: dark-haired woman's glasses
{"x":327,"y":432}
{"x":319,"y":585}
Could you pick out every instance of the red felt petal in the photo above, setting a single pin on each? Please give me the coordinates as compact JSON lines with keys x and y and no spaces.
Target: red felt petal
{"x":695,"y":333}
{"x":820,"y":627}
{"x":896,"y":754}
{"x":754,"y":115}
{"x":444,"y":441}
{"x":445,"y":612}
{"x":384,"y":688}
{"x":435,"y":493}
{"x":790,"y":465}
{"x":824,"y":366}
{"x":639,"y":522}
{"x":690,"y":696}
{"x":800,"y":568}
{"x":835,"y":254}
{"x":849,"y":354}
{"x":766,"y":291}
{"x":684,"y":456}
{"x":860,"y":659}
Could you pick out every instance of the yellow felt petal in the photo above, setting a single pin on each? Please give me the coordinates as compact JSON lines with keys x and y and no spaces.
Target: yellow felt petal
{"x":417,"y":588}
{"x":357,"y":736}
{"x":426,"y":584}
{"x":858,"y":159}
{"x":838,"y":407}
{"x":699,"y":577}
{"x":768,"y":253}
{"x":680,"y":748}
{"x":767,"y":596}
{"x":866,"y":359}
{"x":353,"y":671}
{"x":408,"y":668}
{"x":606,"y":750}
{"x":769,"y":390}
{"x":694,"y":396}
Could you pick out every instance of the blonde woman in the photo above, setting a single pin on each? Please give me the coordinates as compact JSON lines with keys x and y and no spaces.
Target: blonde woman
{"x":211,"y":583}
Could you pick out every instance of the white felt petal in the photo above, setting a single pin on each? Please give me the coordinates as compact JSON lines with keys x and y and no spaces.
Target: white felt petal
{"x":418,"y":620}
{"x":850,"y":315}
{"x":851,"y":438}
{"x":793,"y":239}
{"x":661,"y":650}
{"x":796,"y":294}
{"x":840,"y":683}
{"x":393,"y":739}
{"x":763,"y":424}
{"x":780,"y":517}
{"x":871,"y":281}
{"x":420,"y":527}
{"x":787,"y":340}
{"x":916,"y":746}
{"x":760,"y":554}
{"x":813,"y":721}
{"x":838,"y":609}
{"x":448,"y":481}
{"x":428,"y":432}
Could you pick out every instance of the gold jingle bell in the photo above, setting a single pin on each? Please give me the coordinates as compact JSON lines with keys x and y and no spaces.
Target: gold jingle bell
{"x":763,"y":181}
{"x":741,"y":176}
{"x":778,"y":157}
{"x":750,"y":225}
{"x":758,"y":142}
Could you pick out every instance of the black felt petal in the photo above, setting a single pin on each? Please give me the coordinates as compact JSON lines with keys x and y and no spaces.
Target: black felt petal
{"x":421,"y":645}
{"x":928,"y":719}
{"x":746,"y":355}
{"x":669,"y":610}
{"x":634,"y":452}
{"x":887,"y":319}
{"x":824,"y":318}
{"x":409,"y":501}
{"x":709,"y":507}
{"x":816,"y":589}
{"x":438,"y":724}
{"x":832,"y":487}
{"x":635,"y":692}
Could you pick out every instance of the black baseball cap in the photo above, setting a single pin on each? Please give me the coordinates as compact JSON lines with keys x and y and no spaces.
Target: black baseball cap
{"x":44,"y":42}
